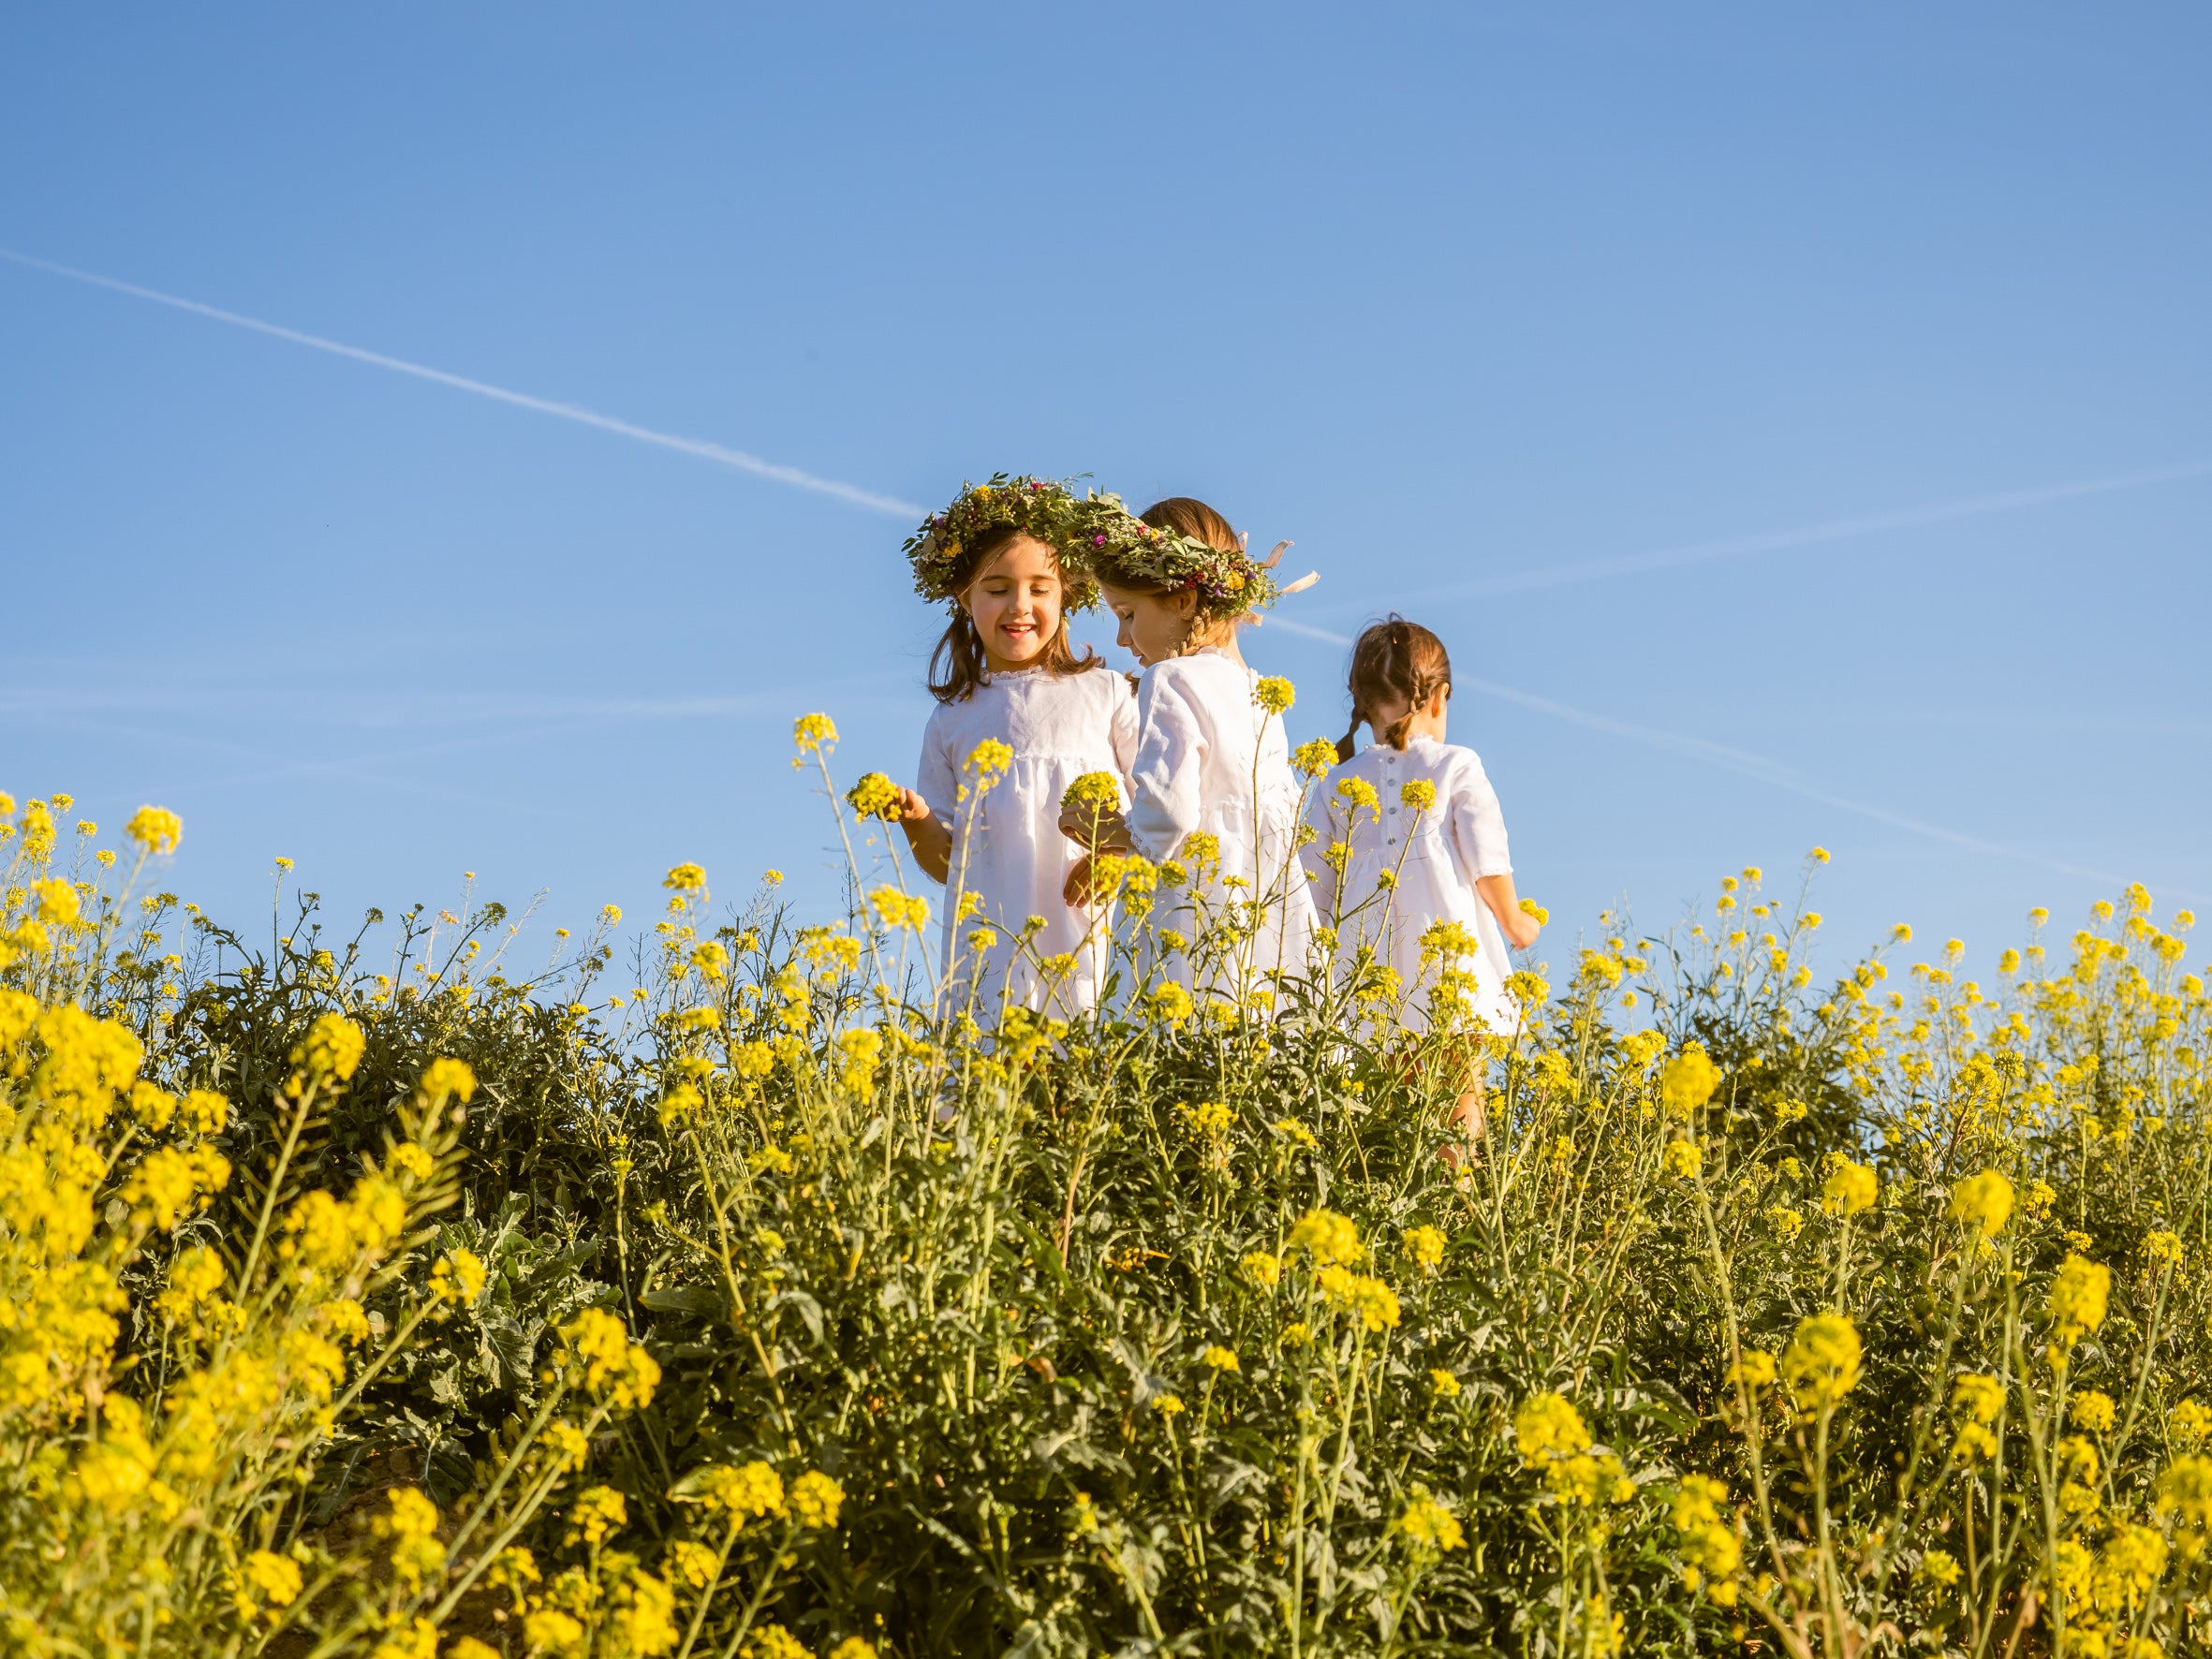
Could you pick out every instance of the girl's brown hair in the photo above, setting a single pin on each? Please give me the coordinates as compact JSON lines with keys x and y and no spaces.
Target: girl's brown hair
{"x":1393,"y":659}
{"x":1186,"y":515}
{"x":959,"y":664}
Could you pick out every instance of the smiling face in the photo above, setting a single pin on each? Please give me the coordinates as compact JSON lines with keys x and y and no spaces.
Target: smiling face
{"x":1154,"y":626}
{"x":1014,"y":602}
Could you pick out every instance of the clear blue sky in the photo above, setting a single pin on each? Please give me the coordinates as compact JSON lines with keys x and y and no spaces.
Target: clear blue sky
{"x":1461,"y":299}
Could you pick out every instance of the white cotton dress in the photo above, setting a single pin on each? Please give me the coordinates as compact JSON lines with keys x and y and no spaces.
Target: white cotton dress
{"x":1007,"y":846}
{"x":1438,"y":854}
{"x":1210,"y":760}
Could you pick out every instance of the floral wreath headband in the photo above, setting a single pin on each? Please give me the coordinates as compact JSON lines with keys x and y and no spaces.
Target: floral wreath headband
{"x":1229,"y":582}
{"x":1034,"y":506}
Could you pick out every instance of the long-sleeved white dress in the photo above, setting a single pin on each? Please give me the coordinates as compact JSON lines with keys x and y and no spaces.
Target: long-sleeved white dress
{"x":1210,"y":760}
{"x":1007,"y":846}
{"x":1438,"y":854}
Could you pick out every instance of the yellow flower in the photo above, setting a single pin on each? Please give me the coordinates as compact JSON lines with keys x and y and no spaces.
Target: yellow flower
{"x":269,"y":1580}
{"x":549,"y":1630}
{"x":1168,"y":1405}
{"x":1939,"y":1566}
{"x":2092,"y":1410}
{"x":897,"y":909}
{"x":411,"y":1524}
{"x":1314,"y":759}
{"x":2189,"y":1424}
{"x":154,"y":827}
{"x":1262,"y":1268}
{"x":772,"y":1642}
{"x":1328,"y":1237}
{"x":1979,"y":1396}
{"x":815,"y":1500}
{"x":811,"y":732}
{"x":875,"y":796}
{"x":1821,"y":1362}
{"x":1425,"y":1245}
{"x":1984,"y":1201}
{"x":601,"y":1357}
{"x":1786,"y":1222}
{"x":1850,"y":1187}
{"x":446,"y":1080}
{"x":1097,"y":790}
{"x":1374,"y":1301}
{"x":1275,"y":693}
{"x":1683,"y":1159}
{"x":58,"y":903}
{"x":1754,"y":1369}
{"x":598,"y":1511}
{"x":853,"y":1647}
{"x":2077,"y":1299}
{"x":1443,"y":1384}
{"x":1359,"y":795}
{"x":1548,"y":1426}
{"x":2162,"y":1247}
{"x":989,"y":759}
{"x":1220,"y":1359}
{"x":1688,"y":1081}
{"x":742,"y":1493}
{"x":330,"y":1050}
{"x":1417,"y":793}
{"x":1429,"y":1525}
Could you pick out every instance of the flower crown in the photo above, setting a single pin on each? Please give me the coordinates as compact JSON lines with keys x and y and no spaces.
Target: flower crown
{"x":1122,"y":549}
{"x":1034,"y":506}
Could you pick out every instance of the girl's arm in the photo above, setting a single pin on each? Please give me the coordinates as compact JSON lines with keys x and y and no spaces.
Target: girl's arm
{"x":1171,"y":758}
{"x":1519,"y":928}
{"x":1479,"y":842}
{"x":928,"y":834}
{"x":927,"y":837}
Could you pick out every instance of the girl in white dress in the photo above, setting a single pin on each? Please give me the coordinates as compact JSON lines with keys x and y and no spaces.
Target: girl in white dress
{"x":1019,"y":717}
{"x":1409,"y":836}
{"x":1210,"y":783}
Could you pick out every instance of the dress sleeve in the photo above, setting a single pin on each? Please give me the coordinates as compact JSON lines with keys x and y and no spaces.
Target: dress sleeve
{"x":934,"y":781}
{"x":1478,"y":825}
{"x":1123,"y":731}
{"x":1170,"y":760}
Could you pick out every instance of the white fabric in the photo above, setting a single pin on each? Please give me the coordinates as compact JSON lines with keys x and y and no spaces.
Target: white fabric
{"x":1059,"y":727}
{"x":1451,"y":847}
{"x":1210,"y":760}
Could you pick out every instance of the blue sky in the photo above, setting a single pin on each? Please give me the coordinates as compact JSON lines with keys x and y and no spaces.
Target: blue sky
{"x":1480,"y":305}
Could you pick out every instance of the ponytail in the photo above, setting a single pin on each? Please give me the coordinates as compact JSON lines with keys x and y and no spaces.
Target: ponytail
{"x":1348,"y":745}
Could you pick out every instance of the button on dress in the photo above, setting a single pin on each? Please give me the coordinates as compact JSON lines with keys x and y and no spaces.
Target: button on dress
{"x":1015,"y":859}
{"x":1449,"y":846}
{"x":1210,"y":760}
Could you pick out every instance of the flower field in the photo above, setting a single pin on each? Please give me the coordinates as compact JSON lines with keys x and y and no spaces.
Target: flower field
{"x":371,"y":1292}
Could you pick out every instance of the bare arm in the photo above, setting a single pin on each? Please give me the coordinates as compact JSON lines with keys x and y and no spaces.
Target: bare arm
{"x":1519,"y":927}
{"x":928,"y":838}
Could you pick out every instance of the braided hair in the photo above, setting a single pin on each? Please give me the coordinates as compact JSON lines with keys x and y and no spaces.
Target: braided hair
{"x":1394,"y":659}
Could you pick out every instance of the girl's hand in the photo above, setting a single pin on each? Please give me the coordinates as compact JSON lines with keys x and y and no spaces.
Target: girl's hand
{"x":1520,"y":929}
{"x":1077,"y":888}
{"x":926,"y":835}
{"x":1104,"y":829}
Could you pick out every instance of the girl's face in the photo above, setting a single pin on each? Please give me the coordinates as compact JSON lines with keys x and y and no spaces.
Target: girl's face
{"x":1154,"y":626}
{"x":1015,"y":603}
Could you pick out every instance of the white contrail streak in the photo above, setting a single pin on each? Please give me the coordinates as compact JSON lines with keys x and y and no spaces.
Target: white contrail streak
{"x":644,"y":435}
{"x":1811,"y":535}
{"x":1737,"y":760}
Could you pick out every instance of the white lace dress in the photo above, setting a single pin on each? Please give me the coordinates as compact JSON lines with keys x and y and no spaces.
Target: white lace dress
{"x":1007,"y":846}
{"x":1438,"y":855}
{"x":1210,"y":760}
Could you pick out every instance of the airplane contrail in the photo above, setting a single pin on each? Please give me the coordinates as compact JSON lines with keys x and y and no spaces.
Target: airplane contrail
{"x":1810,"y":534}
{"x":644,"y":435}
{"x":1740,"y":761}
